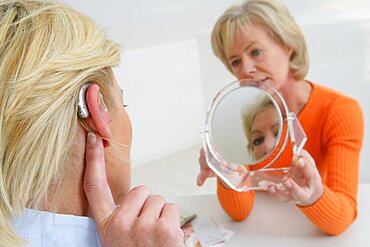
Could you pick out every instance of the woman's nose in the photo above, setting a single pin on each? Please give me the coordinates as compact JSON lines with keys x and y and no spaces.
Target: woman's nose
{"x":268,"y":144}
{"x":248,"y":70}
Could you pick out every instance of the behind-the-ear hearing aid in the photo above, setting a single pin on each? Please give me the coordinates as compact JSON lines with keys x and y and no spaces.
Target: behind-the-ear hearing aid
{"x":83,"y":111}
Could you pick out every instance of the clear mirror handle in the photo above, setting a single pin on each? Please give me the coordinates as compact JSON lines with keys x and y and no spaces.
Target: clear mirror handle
{"x":297,"y":135}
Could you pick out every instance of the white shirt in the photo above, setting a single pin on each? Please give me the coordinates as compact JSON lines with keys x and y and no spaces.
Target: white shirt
{"x":43,"y":229}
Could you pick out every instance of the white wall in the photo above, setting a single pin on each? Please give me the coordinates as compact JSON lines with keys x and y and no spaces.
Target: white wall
{"x":162,"y":87}
{"x":170,"y":74}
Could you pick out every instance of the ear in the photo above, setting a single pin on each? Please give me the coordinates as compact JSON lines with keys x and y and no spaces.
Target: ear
{"x":99,"y":116}
{"x":290,"y":51}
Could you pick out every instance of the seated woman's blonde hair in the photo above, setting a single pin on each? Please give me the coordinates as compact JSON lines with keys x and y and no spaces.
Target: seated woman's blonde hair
{"x":47,"y":52}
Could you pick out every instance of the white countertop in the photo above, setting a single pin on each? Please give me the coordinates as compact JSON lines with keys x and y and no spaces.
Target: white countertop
{"x":272,"y":223}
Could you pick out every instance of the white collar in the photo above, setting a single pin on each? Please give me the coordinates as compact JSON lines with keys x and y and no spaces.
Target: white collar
{"x":43,"y":229}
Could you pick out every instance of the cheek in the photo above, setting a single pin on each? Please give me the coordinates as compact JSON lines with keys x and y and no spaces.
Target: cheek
{"x":236,"y":73}
{"x":284,"y":67}
{"x":258,"y":152}
{"x":122,"y":129}
{"x":119,"y":150}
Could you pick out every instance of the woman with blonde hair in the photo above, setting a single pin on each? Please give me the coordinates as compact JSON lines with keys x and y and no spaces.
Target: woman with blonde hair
{"x":59,"y":104}
{"x":260,"y":40}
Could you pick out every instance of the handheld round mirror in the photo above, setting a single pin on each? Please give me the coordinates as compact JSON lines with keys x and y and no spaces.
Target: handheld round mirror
{"x":246,"y":130}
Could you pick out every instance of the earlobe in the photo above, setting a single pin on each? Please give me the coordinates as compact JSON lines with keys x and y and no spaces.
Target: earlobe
{"x":99,"y":116}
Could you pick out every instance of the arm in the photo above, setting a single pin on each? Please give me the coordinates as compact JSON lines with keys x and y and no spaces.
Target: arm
{"x":238,"y":205}
{"x":343,"y":135}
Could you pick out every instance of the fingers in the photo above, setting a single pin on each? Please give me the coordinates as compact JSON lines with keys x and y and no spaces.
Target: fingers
{"x":170,"y":213}
{"x":205,"y":171}
{"x":95,"y":183}
{"x":143,"y":214}
{"x":308,"y":157}
{"x":152,"y":208}
{"x":202,"y":160}
{"x":139,"y":214}
{"x":298,"y":194}
{"x":305,"y":185}
{"x":200,"y":179}
{"x":277,"y":191}
{"x":201,"y":154}
{"x":203,"y":175}
{"x":305,"y":167}
{"x":131,"y":207}
{"x":171,"y":216}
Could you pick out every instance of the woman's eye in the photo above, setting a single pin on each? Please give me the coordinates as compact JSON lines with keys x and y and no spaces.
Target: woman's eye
{"x":256,"y":52}
{"x":235,"y":63}
{"x":258,"y":141}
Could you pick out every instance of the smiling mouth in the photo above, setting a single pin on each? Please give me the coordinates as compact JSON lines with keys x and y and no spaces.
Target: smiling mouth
{"x":264,"y":82}
{"x":259,"y":79}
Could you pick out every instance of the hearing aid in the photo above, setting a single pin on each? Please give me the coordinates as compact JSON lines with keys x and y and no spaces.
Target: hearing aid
{"x":83,"y":111}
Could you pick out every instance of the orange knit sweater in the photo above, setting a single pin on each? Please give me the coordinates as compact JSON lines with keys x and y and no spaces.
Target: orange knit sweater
{"x":334,"y":127}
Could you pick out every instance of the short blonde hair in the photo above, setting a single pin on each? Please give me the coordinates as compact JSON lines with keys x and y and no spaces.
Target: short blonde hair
{"x":271,"y":15}
{"x":47,"y":52}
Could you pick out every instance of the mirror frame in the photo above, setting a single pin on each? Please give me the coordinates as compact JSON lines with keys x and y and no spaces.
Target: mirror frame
{"x":287,"y":121}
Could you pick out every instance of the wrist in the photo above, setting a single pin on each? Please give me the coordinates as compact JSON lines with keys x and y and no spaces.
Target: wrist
{"x":317,"y":195}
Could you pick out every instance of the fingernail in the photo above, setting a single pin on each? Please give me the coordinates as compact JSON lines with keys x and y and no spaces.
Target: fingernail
{"x":300,"y":162}
{"x":288,"y":184}
{"x":91,"y":138}
{"x":262,"y":183}
{"x":271,"y":189}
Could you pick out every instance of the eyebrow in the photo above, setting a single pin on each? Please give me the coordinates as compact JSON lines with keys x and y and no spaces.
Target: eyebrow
{"x":258,"y":131}
{"x":246,"y":48}
{"x":273,"y":126}
{"x":255,"y":131}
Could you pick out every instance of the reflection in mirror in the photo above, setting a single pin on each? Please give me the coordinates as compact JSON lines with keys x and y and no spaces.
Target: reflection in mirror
{"x":246,"y":131}
{"x":261,"y":127}
{"x":245,"y":126}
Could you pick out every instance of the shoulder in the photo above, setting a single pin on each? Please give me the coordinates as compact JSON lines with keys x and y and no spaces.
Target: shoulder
{"x":341,"y":113}
{"x":61,"y":230}
{"x":333,"y":101}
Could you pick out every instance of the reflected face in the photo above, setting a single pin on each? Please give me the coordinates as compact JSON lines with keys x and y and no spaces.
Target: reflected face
{"x":117,"y":156}
{"x":256,"y":55}
{"x":265,"y":128}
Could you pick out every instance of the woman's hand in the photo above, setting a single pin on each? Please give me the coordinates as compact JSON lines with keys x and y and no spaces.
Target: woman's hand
{"x":304,"y":186}
{"x":205,"y":171}
{"x":141,"y":219}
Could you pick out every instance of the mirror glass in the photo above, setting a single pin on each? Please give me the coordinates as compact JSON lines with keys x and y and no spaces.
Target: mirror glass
{"x":246,"y":130}
{"x":246,"y":125}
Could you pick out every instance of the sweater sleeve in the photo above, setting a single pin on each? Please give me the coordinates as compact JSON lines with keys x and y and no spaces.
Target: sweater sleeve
{"x":238,"y":205}
{"x":342,"y":138}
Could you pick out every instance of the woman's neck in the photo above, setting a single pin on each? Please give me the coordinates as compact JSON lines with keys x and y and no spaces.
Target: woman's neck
{"x":296,"y":94}
{"x":72,"y":198}
{"x":68,"y":197}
